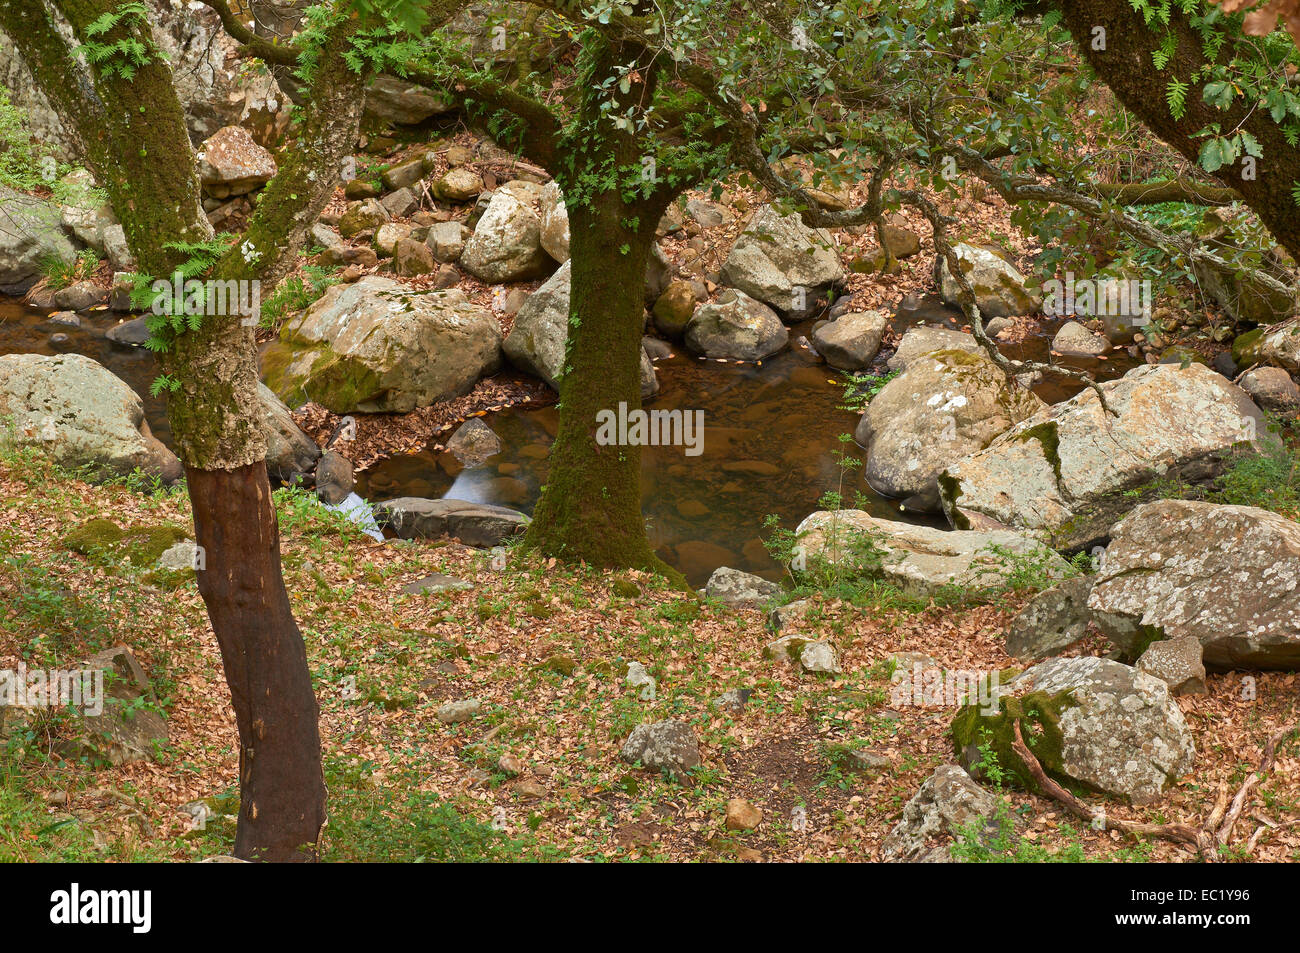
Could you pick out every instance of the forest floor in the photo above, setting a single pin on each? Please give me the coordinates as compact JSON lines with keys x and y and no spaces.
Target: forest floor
{"x":536,"y":774}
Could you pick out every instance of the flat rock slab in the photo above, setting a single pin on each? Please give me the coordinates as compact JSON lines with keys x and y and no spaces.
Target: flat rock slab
{"x":923,"y":560}
{"x":435,"y":583}
{"x":475,"y":524}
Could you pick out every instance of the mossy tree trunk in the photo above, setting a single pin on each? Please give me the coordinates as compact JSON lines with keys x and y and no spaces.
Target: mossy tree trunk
{"x":134,"y":139}
{"x":590,"y":508}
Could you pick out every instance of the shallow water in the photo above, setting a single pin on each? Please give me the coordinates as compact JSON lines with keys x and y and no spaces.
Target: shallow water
{"x":770,"y":437}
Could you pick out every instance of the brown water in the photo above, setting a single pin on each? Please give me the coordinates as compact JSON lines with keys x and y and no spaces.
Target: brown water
{"x":771,"y":434}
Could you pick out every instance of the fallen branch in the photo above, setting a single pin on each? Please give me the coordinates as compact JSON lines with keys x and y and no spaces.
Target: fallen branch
{"x":1207,"y":840}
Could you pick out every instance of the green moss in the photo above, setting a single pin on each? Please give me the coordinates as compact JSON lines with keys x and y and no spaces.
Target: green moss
{"x":560,"y":664}
{"x":102,"y":539}
{"x":1039,"y":714}
{"x":950,"y":491}
{"x":625,"y":588}
{"x":1049,"y":436}
{"x":146,"y":543}
{"x":958,"y":358}
{"x":1245,"y":347}
{"x":93,"y":537}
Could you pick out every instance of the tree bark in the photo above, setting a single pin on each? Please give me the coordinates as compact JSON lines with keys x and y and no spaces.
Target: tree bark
{"x":282,"y":789}
{"x":590,"y":507}
{"x":1125,"y":65}
{"x":135,"y":141}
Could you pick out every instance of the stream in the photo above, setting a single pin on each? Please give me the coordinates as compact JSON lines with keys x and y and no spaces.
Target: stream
{"x":771,"y":433}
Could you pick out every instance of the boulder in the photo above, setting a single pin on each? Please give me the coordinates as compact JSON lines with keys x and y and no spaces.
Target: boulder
{"x":231,"y":163}
{"x":1179,"y":663}
{"x":1227,"y":575}
{"x":1089,"y":721}
{"x":737,"y":588}
{"x":1272,"y":389}
{"x":411,"y":258}
{"x":474,"y":524}
{"x":674,"y":309}
{"x":736,"y":326}
{"x":84,"y":215}
{"x":33,"y":232}
{"x":944,"y":407}
{"x":1069,"y":473}
{"x":123,"y":732}
{"x":362,"y":216}
{"x":924,"y":339}
{"x":851,"y":341}
{"x":290,"y":453}
{"x":388,"y":234}
{"x":923,"y":560}
{"x":1278,"y":344}
{"x":447,"y":241}
{"x":947,"y":803}
{"x":374,"y":346}
{"x":1052,"y":620}
{"x":392,"y":99}
{"x":507,"y":241}
{"x":537,"y":340}
{"x":668,"y":745}
{"x":1000,"y":290}
{"x":402,"y":174}
{"x":1074,"y":340}
{"x":555,"y":223}
{"x":82,"y":415}
{"x":457,"y":185}
{"x":782,"y":262}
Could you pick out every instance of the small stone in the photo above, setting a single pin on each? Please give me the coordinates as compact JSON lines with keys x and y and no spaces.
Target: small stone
{"x":742,"y":815}
{"x":510,"y":766}
{"x":181,"y":556}
{"x":435,"y":583}
{"x":530,"y":789}
{"x":734,"y":700}
{"x":819,"y":657}
{"x":454,"y":713}
{"x":668,"y":745}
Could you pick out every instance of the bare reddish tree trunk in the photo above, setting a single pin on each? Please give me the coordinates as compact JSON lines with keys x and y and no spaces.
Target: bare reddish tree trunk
{"x":282,"y":789}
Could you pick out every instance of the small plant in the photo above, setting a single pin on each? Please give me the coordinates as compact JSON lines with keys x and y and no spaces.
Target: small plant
{"x":59,"y":274}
